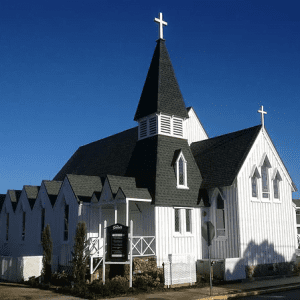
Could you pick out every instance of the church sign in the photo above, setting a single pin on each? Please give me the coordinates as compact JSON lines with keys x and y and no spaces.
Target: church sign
{"x":117,"y":243}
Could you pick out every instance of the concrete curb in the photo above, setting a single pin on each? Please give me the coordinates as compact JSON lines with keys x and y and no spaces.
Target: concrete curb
{"x":253,"y":293}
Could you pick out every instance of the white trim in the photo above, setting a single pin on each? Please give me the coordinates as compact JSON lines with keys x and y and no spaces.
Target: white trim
{"x":185,"y":185}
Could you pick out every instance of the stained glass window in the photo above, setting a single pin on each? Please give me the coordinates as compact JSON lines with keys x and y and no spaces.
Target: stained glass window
{"x":254,"y":186}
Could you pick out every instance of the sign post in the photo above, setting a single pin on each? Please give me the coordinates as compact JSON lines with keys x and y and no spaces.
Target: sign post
{"x":208,"y":233}
{"x":116,"y":238}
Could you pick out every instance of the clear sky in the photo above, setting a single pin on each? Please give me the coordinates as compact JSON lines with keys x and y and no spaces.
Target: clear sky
{"x":72,"y":72}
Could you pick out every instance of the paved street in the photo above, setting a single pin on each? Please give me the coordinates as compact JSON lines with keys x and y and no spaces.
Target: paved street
{"x":288,"y":295}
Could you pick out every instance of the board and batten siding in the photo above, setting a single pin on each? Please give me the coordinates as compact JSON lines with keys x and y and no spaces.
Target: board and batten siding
{"x":228,"y":246}
{"x":267,"y":229}
{"x":167,"y":242}
{"x":193,"y":129}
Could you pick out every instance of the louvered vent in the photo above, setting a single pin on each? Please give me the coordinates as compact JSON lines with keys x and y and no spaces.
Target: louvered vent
{"x":165,"y":124}
{"x":152,"y":126}
{"x":143,"y":129}
{"x":177,"y":127}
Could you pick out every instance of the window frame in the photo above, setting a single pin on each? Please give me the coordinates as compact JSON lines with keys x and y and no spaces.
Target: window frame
{"x":66,"y":222}
{"x":23,"y":228}
{"x":182,"y":216}
{"x":255,"y":174}
{"x":265,"y":164}
{"x":213,"y":214}
{"x":179,"y":159}
{"x":43,"y":218}
{"x":277,"y":178}
{"x":7,"y":227}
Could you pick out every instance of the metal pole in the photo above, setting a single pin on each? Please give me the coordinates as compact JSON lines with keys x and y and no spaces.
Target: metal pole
{"x":209,"y":262}
{"x":131,"y":237}
{"x":104,"y":242}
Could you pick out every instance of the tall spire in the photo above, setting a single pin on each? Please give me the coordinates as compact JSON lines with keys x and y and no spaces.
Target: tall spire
{"x":161,"y":92}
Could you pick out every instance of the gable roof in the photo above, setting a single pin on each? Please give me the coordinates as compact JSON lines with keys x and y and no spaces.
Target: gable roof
{"x":14,"y":196}
{"x":220,"y":159}
{"x":110,"y":155}
{"x":52,"y":188}
{"x":31,"y":193}
{"x":117,"y":182}
{"x":161,"y":92}
{"x":84,"y":186}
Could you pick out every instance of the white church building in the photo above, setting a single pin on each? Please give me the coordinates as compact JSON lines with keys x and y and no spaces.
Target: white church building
{"x":170,"y":178}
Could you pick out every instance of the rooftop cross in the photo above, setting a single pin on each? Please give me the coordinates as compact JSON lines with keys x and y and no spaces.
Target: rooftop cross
{"x":161,"y":24}
{"x":262,"y":112}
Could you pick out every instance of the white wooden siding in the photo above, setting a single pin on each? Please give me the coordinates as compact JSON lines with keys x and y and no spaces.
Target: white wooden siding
{"x":193,"y":129}
{"x":169,"y":243}
{"x":225,"y":247}
{"x":267,"y":230}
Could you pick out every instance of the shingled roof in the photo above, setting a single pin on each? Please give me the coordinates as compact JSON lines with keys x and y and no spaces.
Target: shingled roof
{"x":31,"y":193}
{"x":14,"y":197}
{"x":110,"y":155}
{"x":52,"y":188}
{"x":161,"y":92}
{"x":84,"y":186}
{"x":220,"y":159}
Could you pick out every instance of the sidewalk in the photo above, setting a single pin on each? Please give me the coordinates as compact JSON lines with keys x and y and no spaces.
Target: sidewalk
{"x":225,"y":291}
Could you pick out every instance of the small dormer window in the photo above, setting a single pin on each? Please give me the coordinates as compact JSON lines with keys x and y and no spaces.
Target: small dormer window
{"x":181,"y":171}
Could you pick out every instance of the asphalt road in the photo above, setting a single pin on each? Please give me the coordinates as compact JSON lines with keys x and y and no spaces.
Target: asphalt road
{"x":288,"y":295}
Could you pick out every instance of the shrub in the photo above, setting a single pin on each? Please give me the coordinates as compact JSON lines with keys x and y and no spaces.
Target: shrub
{"x":61,"y":279}
{"x":47,"y":245}
{"x":80,"y":259}
{"x":119,"y":285}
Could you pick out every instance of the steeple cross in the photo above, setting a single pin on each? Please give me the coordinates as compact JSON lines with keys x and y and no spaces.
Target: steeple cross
{"x":262,"y":112}
{"x":161,"y":24}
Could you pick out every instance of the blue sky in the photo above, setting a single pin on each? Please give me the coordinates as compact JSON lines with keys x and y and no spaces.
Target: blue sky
{"x":71,"y":72}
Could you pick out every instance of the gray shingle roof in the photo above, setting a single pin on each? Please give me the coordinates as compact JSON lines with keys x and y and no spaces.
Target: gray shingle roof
{"x":31,"y":193}
{"x":14,"y":197}
{"x":107,"y":156}
{"x":52,"y":188}
{"x":161,"y":92}
{"x":116,"y":182}
{"x":84,"y":186}
{"x":297,"y":202}
{"x":220,"y":159}
{"x":137,"y":193}
{"x":151,"y":165}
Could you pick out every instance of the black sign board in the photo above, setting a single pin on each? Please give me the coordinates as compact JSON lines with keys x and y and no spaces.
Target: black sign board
{"x":117,"y":242}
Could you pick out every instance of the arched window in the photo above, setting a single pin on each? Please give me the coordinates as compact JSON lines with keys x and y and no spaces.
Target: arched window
{"x":66,"y":222}
{"x":23,"y":225}
{"x":43,"y":211}
{"x":220,"y":217}
{"x":265,"y":178}
{"x":276,"y":185}
{"x":181,"y":171}
{"x":254,"y":182}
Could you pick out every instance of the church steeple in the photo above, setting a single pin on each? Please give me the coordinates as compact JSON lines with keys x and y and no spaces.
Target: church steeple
{"x":161,"y":95}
